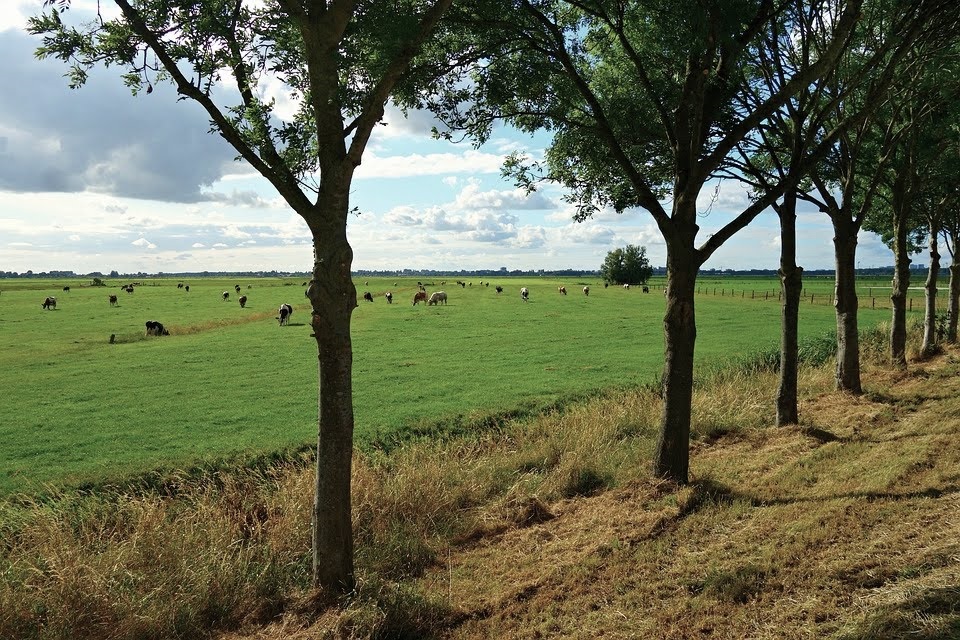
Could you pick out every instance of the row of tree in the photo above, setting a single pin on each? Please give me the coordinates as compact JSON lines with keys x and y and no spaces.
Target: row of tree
{"x":845,"y":103}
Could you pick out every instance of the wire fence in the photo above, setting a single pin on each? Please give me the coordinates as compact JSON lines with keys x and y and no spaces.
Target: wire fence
{"x":869,"y":299}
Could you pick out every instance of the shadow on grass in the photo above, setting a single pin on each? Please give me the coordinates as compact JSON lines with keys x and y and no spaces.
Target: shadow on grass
{"x":931,"y":614}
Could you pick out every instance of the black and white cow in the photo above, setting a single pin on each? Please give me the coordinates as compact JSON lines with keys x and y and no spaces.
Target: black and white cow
{"x":284,"y":314}
{"x":49,"y":303}
{"x":155,"y":328}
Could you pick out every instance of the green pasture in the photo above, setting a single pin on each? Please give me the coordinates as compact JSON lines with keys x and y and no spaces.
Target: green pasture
{"x":231,"y":382}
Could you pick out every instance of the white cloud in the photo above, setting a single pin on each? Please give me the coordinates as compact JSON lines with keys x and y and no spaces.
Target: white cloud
{"x":405,"y":166}
{"x":197,"y":245}
{"x":144,"y":243}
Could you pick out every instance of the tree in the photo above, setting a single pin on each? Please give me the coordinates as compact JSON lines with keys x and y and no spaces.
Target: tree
{"x":628,"y":265}
{"x":342,"y":60}
{"x":639,"y":99}
{"x":847,"y":181}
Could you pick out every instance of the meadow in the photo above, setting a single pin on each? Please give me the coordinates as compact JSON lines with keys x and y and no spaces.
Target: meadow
{"x":230,"y":383}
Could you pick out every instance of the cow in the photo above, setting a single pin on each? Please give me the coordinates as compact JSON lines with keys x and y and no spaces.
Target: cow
{"x":586,"y":291}
{"x":236,"y":288}
{"x":645,"y":289}
{"x":562,"y":290}
{"x":113,"y":300}
{"x":626,"y":285}
{"x":419,"y":296}
{"x":49,"y":303}
{"x":186,"y":288}
{"x":179,"y":285}
{"x":499,"y":289}
{"x":226,"y":295}
{"x":155,"y":328}
{"x":437,"y":297}
{"x":284,"y":314}
{"x":389,"y":297}
{"x":524,"y":294}
{"x":243,"y":302}
{"x":368,"y":296}
{"x":66,"y":289}
{"x":128,"y":288}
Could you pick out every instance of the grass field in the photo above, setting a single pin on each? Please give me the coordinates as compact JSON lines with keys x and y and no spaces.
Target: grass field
{"x":230,"y":382}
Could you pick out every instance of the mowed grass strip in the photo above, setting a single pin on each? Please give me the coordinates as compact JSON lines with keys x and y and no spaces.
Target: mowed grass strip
{"x":231,"y":382}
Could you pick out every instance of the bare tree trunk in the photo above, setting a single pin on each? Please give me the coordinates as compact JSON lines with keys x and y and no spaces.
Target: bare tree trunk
{"x":671,"y":458}
{"x":791,"y":283}
{"x":954,"y":303}
{"x":930,"y":311}
{"x":898,"y":293}
{"x":848,"y":338}
{"x":334,"y":298}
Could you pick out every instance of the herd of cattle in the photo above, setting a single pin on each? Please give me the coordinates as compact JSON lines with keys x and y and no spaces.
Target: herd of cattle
{"x":154,"y":328}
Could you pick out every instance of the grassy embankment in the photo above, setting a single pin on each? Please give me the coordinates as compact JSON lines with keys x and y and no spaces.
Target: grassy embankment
{"x":844,"y":527}
{"x":230,"y":385}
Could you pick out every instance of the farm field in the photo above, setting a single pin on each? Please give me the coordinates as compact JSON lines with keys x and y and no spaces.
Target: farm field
{"x":231,"y":382}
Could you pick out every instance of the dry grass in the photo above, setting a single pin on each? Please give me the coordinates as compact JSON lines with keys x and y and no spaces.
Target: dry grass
{"x":844,"y":526}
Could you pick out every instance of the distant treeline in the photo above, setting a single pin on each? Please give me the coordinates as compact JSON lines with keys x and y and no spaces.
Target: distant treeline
{"x":478,"y":273}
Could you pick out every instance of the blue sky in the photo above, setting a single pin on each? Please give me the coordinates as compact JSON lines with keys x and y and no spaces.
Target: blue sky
{"x":95,"y":179}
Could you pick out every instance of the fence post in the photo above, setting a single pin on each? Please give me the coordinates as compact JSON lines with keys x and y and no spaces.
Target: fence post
{"x":911,"y":304}
{"x":873,"y":303}
{"x":811,"y":298}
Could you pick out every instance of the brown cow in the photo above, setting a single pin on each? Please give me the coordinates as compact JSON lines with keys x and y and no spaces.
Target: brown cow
{"x":419,"y":296}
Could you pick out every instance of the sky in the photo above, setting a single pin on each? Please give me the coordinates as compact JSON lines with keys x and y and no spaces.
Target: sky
{"x":95,"y":179}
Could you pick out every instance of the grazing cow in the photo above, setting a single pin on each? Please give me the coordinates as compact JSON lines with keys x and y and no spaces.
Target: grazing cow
{"x":186,"y":288}
{"x":236,"y":288}
{"x":66,"y":288}
{"x":419,"y":296}
{"x":645,"y":289}
{"x":368,"y":296}
{"x":437,"y":297}
{"x":389,"y":297}
{"x":499,"y":289}
{"x":524,"y":294}
{"x":179,"y":285}
{"x":154,"y":328}
{"x":49,"y":303}
{"x":243,"y":301}
{"x":128,"y":288}
{"x":226,"y":296}
{"x":113,"y":300}
{"x":562,"y":290}
{"x":586,"y":291}
{"x":626,"y":285}
{"x":285,"y":312}
{"x":606,"y":284}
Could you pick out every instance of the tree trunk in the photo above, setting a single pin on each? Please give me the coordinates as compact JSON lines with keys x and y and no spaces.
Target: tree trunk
{"x":672,"y":453}
{"x":954,"y":303}
{"x":930,"y":312}
{"x":848,"y":339}
{"x":791,"y":283}
{"x":334,"y":298}
{"x":898,"y":294}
